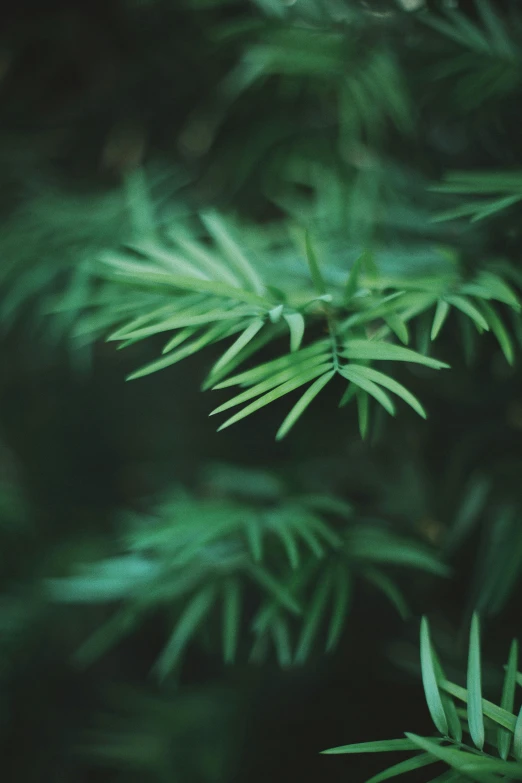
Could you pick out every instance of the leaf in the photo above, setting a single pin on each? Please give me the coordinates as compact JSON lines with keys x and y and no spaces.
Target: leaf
{"x":231,"y":617}
{"x":290,"y":545}
{"x":352,"y":284}
{"x":500,"y":332}
{"x":254,"y":538}
{"x":185,"y":628}
{"x":495,"y":28}
{"x":468,"y":513}
{"x":147,"y":277}
{"x":281,"y":637}
{"x":363,"y":411}
{"x":495,"y":206}
{"x":416,"y":762}
{"x":315,"y":272}
{"x":429,"y":680}
{"x":366,"y":349}
{"x":217,"y":228}
{"x":288,"y":374}
{"x":340,"y":607}
{"x":441,"y":313}
{"x":207,"y":262}
{"x":352,"y":374}
{"x":392,"y":385}
{"x":377,"y":546}
{"x":455,"y":726}
{"x":349,"y":394}
{"x":390,"y":590}
{"x":491,"y":711}
{"x":398,"y":327}
{"x":319,"y":350}
{"x":517,"y":737}
{"x":508,"y":699}
{"x":106,"y":636}
{"x":461,"y":761}
{"x":303,"y":403}
{"x":280,"y":593}
{"x":265,"y":336}
{"x":313,"y":615}
{"x":296,"y":324}
{"x":275,"y":394}
{"x":179,"y":338}
{"x":243,"y":339}
{"x":209,"y":336}
{"x":139,"y":202}
{"x":488,"y":285}
{"x":377,"y":746}
{"x":465,"y":306}
{"x":474,"y":684}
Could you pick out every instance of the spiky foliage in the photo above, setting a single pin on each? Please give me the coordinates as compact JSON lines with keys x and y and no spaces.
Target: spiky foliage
{"x":494,"y":751}
{"x":196,"y":557}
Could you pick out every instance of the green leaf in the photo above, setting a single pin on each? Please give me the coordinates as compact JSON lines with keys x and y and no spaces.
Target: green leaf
{"x":390,"y":590}
{"x":106,"y":636}
{"x":416,"y":762}
{"x":207,"y":262}
{"x":500,"y":332}
{"x":290,"y":373}
{"x":469,"y":511}
{"x":474,"y":684}
{"x":275,"y":394}
{"x":313,"y":264}
{"x":289,"y":542}
{"x":281,"y":637}
{"x":495,"y":206}
{"x":366,"y":349}
{"x":349,"y":394}
{"x":398,"y":327}
{"x":363,"y":405}
{"x":465,"y":306}
{"x":391,"y":385}
{"x":378,"y":546}
{"x":455,"y":726}
{"x":303,"y":403}
{"x":352,"y":374}
{"x":378,"y":746}
{"x":179,"y":338}
{"x":508,"y":699}
{"x":352,"y":284}
{"x":254,"y":538}
{"x":265,"y":336}
{"x":186,"y":627}
{"x":462,"y":761}
{"x":231,"y":617}
{"x":340,"y":607}
{"x":491,"y":711}
{"x":441,"y":313}
{"x":429,"y":680}
{"x":279,"y":591}
{"x":318,"y":351}
{"x":517,"y":737}
{"x":209,"y":336}
{"x":314,"y":614}
{"x":139,"y":203}
{"x":488,"y":285}
{"x":219,"y":231}
{"x":296,"y":324}
{"x":238,"y":345}
{"x":147,"y":277}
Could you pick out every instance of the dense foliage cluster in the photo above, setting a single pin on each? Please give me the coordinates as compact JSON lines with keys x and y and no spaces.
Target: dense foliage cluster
{"x":309,"y":210}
